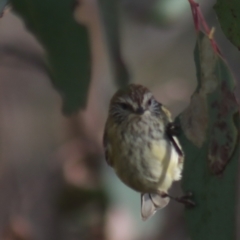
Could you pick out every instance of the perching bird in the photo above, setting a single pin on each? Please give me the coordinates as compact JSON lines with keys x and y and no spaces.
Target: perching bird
{"x":140,"y":147}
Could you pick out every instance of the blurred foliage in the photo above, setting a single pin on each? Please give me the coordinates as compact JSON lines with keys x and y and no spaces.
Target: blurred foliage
{"x":157,"y":12}
{"x":109,"y":11}
{"x":73,"y":198}
{"x":211,"y":165}
{"x":3,"y":4}
{"x":228,"y":13}
{"x":66,"y":44}
{"x":168,"y":11}
{"x":210,"y":124}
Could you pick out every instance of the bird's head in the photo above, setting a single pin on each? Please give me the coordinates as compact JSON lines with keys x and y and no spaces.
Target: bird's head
{"x":134,"y":100}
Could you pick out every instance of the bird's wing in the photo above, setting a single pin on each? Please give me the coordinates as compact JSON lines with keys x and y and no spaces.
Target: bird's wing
{"x":107,"y":147}
{"x":171,"y":132}
{"x":150,"y":203}
{"x":177,"y":147}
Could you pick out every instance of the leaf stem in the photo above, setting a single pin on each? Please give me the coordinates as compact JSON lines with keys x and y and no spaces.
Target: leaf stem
{"x":199,"y":20}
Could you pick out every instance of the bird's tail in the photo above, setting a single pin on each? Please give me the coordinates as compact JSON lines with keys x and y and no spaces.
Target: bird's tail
{"x":150,"y":203}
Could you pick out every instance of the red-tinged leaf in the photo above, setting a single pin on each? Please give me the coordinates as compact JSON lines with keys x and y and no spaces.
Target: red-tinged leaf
{"x":210,"y":143}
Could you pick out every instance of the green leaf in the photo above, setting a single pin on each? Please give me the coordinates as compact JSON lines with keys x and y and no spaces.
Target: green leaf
{"x":66,"y":44}
{"x":210,"y":141}
{"x":109,"y":11}
{"x":228,"y":13}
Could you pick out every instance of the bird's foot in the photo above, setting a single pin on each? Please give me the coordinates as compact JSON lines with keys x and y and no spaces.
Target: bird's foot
{"x":186,"y":199}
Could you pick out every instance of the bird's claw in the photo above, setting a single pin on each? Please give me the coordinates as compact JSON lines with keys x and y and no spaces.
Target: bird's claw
{"x":187,"y":200}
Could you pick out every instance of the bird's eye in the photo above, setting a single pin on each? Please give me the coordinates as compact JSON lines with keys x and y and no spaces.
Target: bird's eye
{"x":124,"y":106}
{"x":150,"y":102}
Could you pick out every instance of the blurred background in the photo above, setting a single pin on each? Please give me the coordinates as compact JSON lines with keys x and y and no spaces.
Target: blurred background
{"x":54,"y":182}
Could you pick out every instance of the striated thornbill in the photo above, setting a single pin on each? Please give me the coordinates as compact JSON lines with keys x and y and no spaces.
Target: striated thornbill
{"x":140,"y":148}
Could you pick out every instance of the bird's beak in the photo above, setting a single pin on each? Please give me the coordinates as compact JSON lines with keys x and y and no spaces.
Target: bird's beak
{"x":140,"y":111}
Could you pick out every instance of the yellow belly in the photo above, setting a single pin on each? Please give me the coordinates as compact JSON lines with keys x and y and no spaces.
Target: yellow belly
{"x":149,"y":168}
{"x":142,"y":156}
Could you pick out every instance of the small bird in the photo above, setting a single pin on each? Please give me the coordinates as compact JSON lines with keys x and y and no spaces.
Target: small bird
{"x":140,"y":147}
